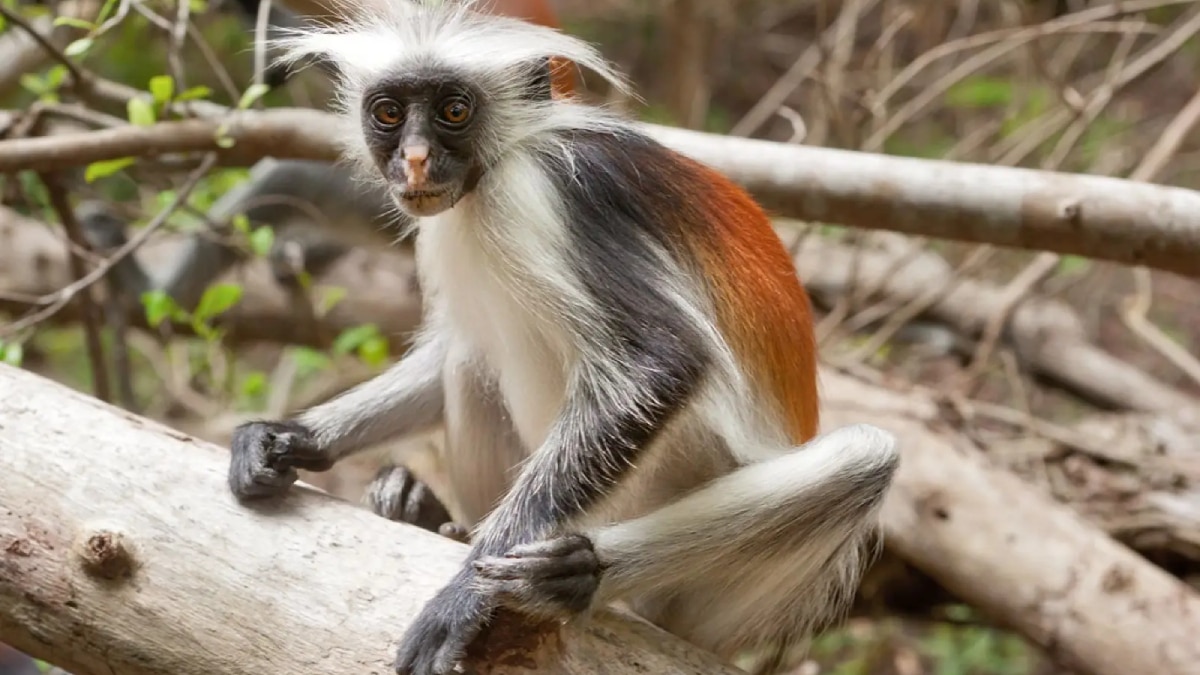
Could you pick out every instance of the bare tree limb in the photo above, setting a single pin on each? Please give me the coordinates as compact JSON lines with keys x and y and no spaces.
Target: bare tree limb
{"x":1094,"y":216}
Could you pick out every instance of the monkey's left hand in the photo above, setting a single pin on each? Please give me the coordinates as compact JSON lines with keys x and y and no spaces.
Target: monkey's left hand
{"x":438,"y":639}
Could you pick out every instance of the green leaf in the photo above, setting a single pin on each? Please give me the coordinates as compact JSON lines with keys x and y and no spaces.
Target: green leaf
{"x":55,"y":75}
{"x":329,"y":298}
{"x":78,"y":47}
{"x":254,"y":384}
{"x":351,"y":338}
{"x":309,"y":361}
{"x":194,"y":93}
{"x":980,"y":92}
{"x":3,"y":24}
{"x":222,"y":140}
{"x":252,"y":94}
{"x":261,"y":240}
{"x":106,"y":167}
{"x":106,"y":10}
{"x":159,"y":307}
{"x":216,"y":300}
{"x":198,"y":6}
{"x":33,"y":83}
{"x":12,"y":353}
{"x":1069,"y":264}
{"x":161,"y":88}
{"x":241,"y":223}
{"x":74,"y":22}
{"x":141,"y":113}
{"x":374,"y":351}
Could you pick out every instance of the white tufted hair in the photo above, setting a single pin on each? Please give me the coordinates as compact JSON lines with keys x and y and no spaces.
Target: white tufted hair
{"x":382,"y":38}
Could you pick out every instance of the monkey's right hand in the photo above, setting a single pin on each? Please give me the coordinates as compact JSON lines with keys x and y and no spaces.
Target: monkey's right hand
{"x":265,"y":456}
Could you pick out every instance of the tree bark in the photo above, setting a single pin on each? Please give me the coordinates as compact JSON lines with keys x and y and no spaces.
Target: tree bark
{"x":122,"y":551}
{"x":117,"y":535}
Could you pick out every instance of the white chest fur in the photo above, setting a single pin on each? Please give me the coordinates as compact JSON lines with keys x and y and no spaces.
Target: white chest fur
{"x":485,"y":288}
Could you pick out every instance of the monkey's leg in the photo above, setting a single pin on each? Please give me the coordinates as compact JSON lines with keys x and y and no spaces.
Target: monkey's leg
{"x":759,"y":557}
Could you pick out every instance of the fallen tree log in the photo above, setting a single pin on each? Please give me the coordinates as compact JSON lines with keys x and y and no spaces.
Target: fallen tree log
{"x":202,"y":584}
{"x":121,"y":551}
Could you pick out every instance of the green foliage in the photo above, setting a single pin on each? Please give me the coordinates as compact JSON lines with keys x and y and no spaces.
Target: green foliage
{"x":261,"y":240}
{"x":252,"y":94}
{"x":12,"y":353}
{"x":140,"y":112}
{"x":106,"y":167}
{"x":1071,"y":264}
{"x":366,"y":341}
{"x":309,"y":361}
{"x":46,"y":85}
{"x":217,"y":299}
{"x":980,"y":92}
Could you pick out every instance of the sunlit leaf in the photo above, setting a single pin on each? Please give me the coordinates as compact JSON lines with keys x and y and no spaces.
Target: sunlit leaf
{"x":73,"y":22}
{"x":105,"y":168}
{"x":261,"y":240}
{"x":216,"y":300}
{"x":252,"y":94}
{"x":351,"y":338}
{"x":141,"y":113}
{"x":78,"y":47}
{"x":161,"y":88}
{"x":254,"y":384}
{"x":159,"y":307}
{"x":193,"y":93}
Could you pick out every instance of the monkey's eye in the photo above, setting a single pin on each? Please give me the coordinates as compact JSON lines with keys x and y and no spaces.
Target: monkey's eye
{"x":455,"y":111}
{"x":387,"y":113}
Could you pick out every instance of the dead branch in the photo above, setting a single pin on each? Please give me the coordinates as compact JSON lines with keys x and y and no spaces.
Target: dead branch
{"x":1094,"y":216}
{"x":121,"y":551}
{"x":1046,"y":333}
{"x":1090,"y":602}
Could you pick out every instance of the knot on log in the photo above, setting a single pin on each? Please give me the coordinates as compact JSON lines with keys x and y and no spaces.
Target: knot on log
{"x":105,"y":553}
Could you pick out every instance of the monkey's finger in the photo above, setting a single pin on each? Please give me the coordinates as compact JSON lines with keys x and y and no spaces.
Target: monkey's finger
{"x":552,"y":598}
{"x":546,"y":548}
{"x":573,"y":564}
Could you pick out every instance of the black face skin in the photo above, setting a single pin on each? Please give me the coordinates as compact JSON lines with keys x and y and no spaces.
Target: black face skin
{"x":432,"y":109}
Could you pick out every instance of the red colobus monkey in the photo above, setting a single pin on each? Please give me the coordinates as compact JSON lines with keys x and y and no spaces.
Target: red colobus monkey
{"x":615,"y":340}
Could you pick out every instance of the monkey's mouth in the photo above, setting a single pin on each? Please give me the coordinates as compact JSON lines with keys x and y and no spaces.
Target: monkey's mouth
{"x":425,"y":202}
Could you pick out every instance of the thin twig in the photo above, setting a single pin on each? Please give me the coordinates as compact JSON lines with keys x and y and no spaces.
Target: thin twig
{"x":92,"y":318}
{"x":59,"y":299}
{"x":17,"y":20}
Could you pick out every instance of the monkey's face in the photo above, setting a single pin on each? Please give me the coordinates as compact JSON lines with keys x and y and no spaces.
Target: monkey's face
{"x":423,"y":131}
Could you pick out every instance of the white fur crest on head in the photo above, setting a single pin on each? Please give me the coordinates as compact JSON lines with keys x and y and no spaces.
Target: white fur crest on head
{"x":382,"y":38}
{"x":379,"y":36}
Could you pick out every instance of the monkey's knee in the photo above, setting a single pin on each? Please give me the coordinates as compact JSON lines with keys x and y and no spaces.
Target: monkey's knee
{"x":396,"y":494}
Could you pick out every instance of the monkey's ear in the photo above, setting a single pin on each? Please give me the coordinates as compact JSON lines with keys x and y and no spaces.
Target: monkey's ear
{"x":538,"y":80}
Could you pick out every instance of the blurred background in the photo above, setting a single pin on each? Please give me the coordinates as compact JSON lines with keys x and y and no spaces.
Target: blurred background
{"x":1083,"y":86}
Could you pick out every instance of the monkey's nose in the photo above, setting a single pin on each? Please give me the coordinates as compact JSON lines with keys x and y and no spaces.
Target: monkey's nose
{"x":416,"y":160}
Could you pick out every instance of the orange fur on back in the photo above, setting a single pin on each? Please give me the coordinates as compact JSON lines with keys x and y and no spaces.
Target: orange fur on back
{"x":761,"y":305}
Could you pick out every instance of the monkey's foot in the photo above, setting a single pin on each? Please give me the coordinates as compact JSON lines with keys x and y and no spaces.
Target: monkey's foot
{"x":553,"y":579}
{"x":396,"y":494}
{"x":265,"y":456}
{"x":437,"y":641}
